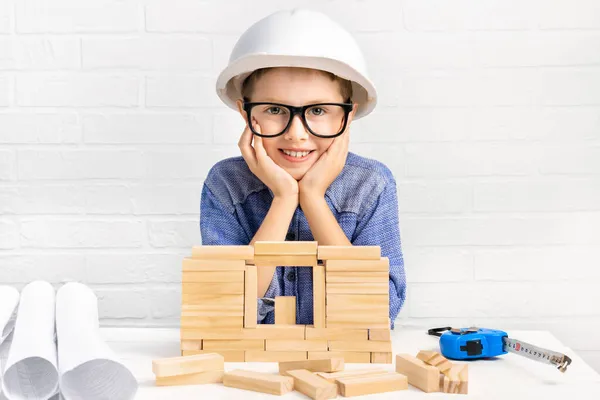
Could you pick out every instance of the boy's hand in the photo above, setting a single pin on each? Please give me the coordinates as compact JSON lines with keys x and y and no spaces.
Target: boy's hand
{"x":281,"y":183}
{"x":329,"y":165}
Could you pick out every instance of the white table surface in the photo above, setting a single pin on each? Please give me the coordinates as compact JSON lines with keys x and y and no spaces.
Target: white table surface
{"x":506,"y":377}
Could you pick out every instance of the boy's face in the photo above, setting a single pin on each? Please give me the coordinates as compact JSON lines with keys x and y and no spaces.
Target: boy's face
{"x":296,"y":87}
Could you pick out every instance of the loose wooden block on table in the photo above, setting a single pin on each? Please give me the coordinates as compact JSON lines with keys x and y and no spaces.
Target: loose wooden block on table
{"x":381,"y":358}
{"x":319,"y":296}
{"x":291,"y":345}
{"x":259,"y":382}
{"x":456,"y":379}
{"x":435,"y":359}
{"x":199,"y":265}
{"x":187,"y":365}
{"x":381,"y":335}
{"x":289,"y":260}
{"x":275,"y":356}
{"x":191,"y":379}
{"x":356,"y":287}
{"x":348,"y":356}
{"x":332,"y":364}
{"x":348,"y":252}
{"x":363,"y":385}
{"x":312,"y":385}
{"x":381,"y":265}
{"x":355,"y":345}
{"x":281,"y":248}
{"x":263,"y":331}
{"x":250,"y":297}
{"x":285,"y":310}
{"x":333,"y":376}
{"x":336,"y":333}
{"x":242,"y":252}
{"x":228,"y":355}
{"x":419,"y":374}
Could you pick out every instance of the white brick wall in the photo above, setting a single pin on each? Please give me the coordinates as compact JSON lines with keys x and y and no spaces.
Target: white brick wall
{"x":489,"y":117}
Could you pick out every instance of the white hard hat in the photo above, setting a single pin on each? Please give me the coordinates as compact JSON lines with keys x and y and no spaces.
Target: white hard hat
{"x":298,"y":38}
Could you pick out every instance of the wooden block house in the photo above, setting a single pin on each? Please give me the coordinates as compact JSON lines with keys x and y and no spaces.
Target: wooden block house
{"x":351,"y":304}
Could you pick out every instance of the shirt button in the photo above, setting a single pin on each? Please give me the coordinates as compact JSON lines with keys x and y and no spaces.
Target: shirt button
{"x":291,"y":276}
{"x":290,"y":236}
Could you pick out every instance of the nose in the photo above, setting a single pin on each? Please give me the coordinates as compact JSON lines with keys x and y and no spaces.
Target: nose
{"x":296,"y":131}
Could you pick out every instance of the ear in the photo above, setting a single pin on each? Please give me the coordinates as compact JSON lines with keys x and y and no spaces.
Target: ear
{"x":240,"y":106}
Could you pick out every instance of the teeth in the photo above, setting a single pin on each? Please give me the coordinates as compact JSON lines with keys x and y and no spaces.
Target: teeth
{"x":298,"y":154}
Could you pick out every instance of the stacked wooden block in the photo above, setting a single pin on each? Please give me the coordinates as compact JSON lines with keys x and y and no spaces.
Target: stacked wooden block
{"x":351,"y":304}
{"x":432,"y":372}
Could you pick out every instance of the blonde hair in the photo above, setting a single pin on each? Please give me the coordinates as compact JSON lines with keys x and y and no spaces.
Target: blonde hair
{"x":250,"y":82}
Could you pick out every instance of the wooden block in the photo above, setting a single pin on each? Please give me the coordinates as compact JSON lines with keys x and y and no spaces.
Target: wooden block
{"x":348,"y":252}
{"x":381,"y":358}
{"x":198,"y":265}
{"x":289,"y":260}
{"x":187,"y":365}
{"x":435,"y":359}
{"x":202,"y":289}
{"x":262,"y":331}
{"x":319,"y":296}
{"x":228,"y":355}
{"x":365,"y":345}
{"x":292,"y":345}
{"x":212,"y":301}
{"x":419,"y":374}
{"x":336,"y":333}
{"x":356,"y":287}
{"x":347,"y":321}
{"x":243,"y":252}
{"x":193,"y":322}
{"x":259,"y":382}
{"x":239,"y":344}
{"x":382,"y":265}
{"x":357,"y":276}
{"x":275,"y":356}
{"x":456,"y":379}
{"x":285,"y":310}
{"x":332,"y":364}
{"x":212,"y":276}
{"x":250,"y":297}
{"x":281,"y":248}
{"x":380,"y":335}
{"x":348,"y":356}
{"x":354,"y":302}
{"x":189,"y":310}
{"x":191,"y":345}
{"x":191,"y":379}
{"x":363,"y":385}
{"x":333,"y":376}
{"x":312,"y":385}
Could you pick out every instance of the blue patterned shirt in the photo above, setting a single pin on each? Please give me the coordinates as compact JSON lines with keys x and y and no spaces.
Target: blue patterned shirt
{"x":362,"y":198}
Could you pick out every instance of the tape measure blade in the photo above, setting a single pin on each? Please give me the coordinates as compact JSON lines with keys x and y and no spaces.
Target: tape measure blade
{"x":536,"y":353}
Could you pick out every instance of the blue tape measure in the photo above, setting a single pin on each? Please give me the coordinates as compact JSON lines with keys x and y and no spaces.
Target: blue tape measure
{"x":470,"y":343}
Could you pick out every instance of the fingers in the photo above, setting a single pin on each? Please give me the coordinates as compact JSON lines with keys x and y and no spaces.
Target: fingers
{"x":245,"y":145}
{"x":258,"y":143}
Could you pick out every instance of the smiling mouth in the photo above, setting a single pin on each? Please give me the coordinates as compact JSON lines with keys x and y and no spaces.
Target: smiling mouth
{"x":296,"y":154}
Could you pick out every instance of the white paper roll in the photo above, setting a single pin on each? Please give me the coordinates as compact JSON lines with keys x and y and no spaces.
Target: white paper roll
{"x":9,"y":299}
{"x":88,"y":367}
{"x":31,"y":371}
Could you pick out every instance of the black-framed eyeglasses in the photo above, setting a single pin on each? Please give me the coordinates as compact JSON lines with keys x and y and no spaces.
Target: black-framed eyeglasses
{"x":324,"y":120}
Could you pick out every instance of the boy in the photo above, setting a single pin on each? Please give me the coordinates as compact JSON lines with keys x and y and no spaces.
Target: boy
{"x":298,"y":79}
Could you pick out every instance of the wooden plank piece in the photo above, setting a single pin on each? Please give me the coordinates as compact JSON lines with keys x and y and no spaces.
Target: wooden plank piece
{"x":228,"y":355}
{"x":282,"y":248}
{"x":293,"y":345}
{"x":419,"y":374}
{"x":356,"y":287}
{"x":285,"y":310}
{"x":381,"y":358}
{"x":274,"y":356}
{"x":456,"y":379}
{"x":198,"y":265}
{"x":383,"y":265}
{"x":289,"y":260}
{"x":223,"y":252}
{"x":190,"y":290}
{"x":357,"y":276}
{"x":187,"y":365}
{"x":259,"y":382}
{"x":319,"y":296}
{"x":250,"y":297}
{"x":262,"y":331}
{"x":365,"y":345}
{"x":336,"y":333}
{"x":191,"y":379}
{"x":348,"y":252}
{"x":333,"y":376}
{"x":312,"y":385}
{"x":332,"y":364}
{"x":384,"y":335}
{"x":212,"y":276}
{"x":349,"y":357}
{"x":241,"y":344}
{"x":435,"y":359}
{"x":193,"y":322}
{"x":363,"y":385}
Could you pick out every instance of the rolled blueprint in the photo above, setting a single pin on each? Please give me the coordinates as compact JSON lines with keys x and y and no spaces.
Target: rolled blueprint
{"x":9,"y":299}
{"x":88,"y":367}
{"x":30,"y":371}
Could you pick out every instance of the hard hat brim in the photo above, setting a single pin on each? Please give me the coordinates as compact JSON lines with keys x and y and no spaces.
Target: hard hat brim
{"x":231,"y":78}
